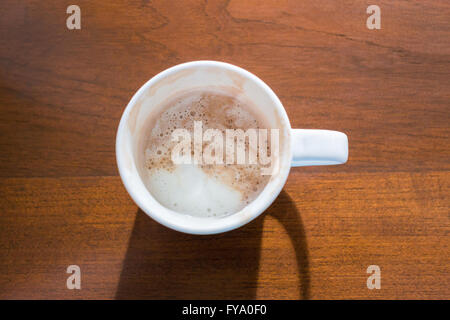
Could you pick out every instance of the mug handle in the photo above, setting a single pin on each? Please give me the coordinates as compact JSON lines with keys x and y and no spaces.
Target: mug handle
{"x":311,"y":147}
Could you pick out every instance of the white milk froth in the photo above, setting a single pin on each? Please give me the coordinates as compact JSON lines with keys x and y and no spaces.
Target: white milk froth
{"x":204,"y":190}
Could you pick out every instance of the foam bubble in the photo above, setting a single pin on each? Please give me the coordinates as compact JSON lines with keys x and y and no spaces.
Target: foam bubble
{"x":187,"y":189}
{"x":204,"y":190}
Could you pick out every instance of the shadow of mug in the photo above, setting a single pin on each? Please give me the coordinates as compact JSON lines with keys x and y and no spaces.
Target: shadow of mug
{"x":164,"y":264}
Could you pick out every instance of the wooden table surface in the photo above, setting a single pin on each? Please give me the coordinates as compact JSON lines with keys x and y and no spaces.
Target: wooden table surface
{"x":62,"y":93}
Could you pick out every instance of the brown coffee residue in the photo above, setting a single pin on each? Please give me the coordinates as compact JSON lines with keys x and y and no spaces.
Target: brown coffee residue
{"x":216,"y":111}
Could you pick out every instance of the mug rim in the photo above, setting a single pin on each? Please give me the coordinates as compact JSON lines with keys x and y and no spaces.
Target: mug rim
{"x":164,"y":218}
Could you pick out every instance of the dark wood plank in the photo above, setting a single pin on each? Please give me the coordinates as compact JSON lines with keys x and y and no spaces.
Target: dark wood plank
{"x":62,"y":92}
{"x":315,"y":241}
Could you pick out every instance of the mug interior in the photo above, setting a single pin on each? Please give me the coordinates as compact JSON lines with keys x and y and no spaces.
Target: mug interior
{"x":148,"y":103}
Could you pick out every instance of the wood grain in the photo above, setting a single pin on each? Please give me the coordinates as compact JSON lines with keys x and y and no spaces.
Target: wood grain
{"x":62,"y":93}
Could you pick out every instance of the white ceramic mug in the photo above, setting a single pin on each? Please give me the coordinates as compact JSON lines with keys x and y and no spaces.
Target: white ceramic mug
{"x":298,"y":147}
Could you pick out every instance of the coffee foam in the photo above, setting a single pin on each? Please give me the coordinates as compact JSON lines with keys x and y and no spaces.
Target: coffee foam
{"x":201,"y":190}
